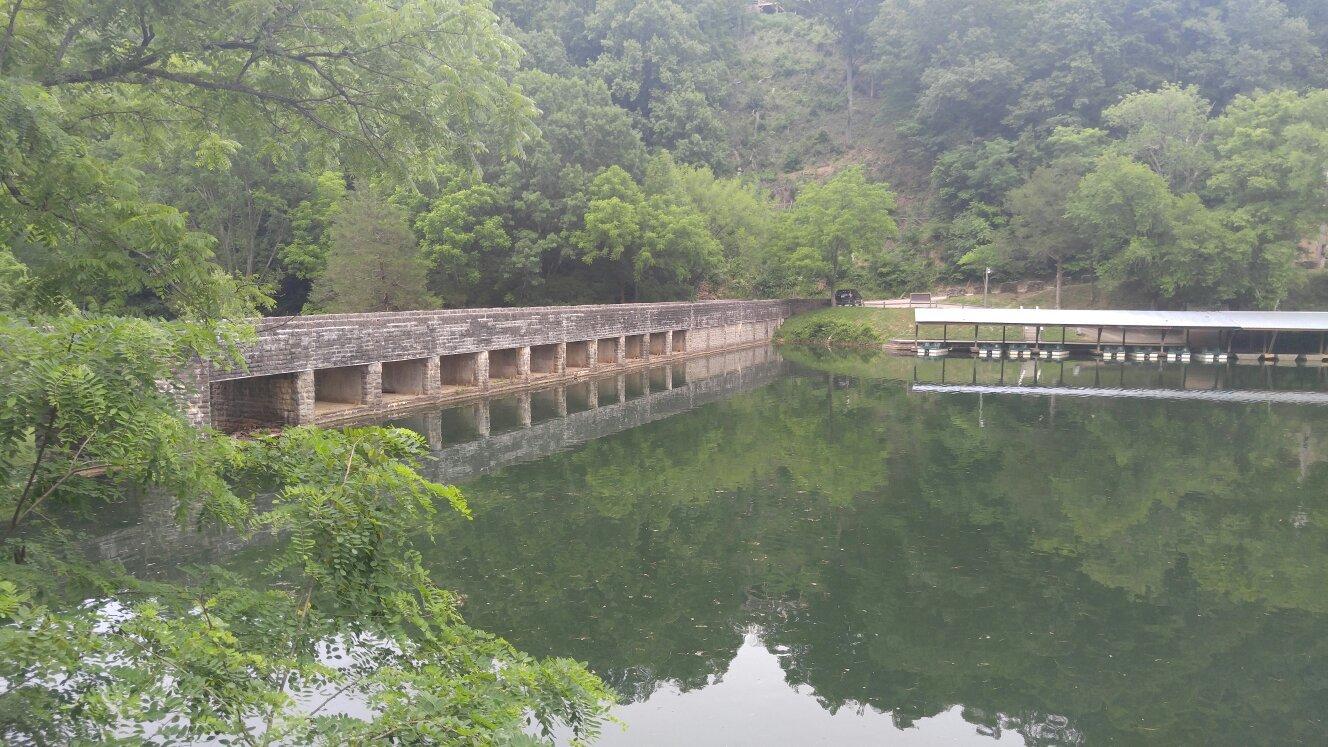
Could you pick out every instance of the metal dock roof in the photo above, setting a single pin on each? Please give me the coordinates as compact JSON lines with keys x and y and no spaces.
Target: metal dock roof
{"x":1283,"y":321}
{"x":1206,"y":395}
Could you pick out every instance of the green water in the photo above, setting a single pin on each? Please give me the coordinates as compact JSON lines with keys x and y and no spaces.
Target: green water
{"x":837,"y":558}
{"x":879,"y":550}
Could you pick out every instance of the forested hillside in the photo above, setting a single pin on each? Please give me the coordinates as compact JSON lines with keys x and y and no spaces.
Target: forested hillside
{"x":171,"y":168}
{"x":1171,"y":152}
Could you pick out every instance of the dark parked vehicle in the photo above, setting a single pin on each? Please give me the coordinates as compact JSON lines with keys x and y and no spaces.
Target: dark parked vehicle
{"x":848,"y":297}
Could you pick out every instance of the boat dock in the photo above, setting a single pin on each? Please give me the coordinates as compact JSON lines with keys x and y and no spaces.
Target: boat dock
{"x":1203,"y":336}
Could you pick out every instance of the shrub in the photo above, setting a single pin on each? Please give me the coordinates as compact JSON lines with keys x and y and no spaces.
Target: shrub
{"x":830,"y":332}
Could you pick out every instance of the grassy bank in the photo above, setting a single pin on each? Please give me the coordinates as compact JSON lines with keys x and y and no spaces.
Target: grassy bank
{"x":1078,"y":296}
{"x":850,"y":326}
{"x":847,"y":326}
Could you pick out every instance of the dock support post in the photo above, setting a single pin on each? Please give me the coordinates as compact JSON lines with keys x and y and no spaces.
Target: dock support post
{"x":1099,"y":341}
{"x":945,"y":334}
{"x":1037,"y":340}
{"x":916,"y":335}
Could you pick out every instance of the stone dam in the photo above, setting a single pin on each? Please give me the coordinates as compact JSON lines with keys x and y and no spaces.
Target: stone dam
{"x":337,"y":368}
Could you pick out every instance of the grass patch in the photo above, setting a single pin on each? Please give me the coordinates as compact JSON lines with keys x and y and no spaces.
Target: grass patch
{"x":1077,"y":296}
{"x":848,"y":326}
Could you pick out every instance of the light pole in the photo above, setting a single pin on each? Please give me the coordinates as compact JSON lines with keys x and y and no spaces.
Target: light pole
{"x":986,"y":281}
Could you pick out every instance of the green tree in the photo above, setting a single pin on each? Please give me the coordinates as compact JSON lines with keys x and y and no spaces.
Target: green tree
{"x":849,"y":21}
{"x":581,"y":133}
{"x":639,"y":237}
{"x":361,"y":81}
{"x":305,"y":256}
{"x":85,"y":413}
{"x":980,"y":174}
{"x":739,"y":215}
{"x":662,"y":62}
{"x":1041,"y":231}
{"x":258,"y":657}
{"x":1272,"y":171}
{"x":1149,"y":242}
{"x":383,"y":79}
{"x":85,"y":233}
{"x":835,"y":227}
{"x":473,"y":258}
{"x":1168,"y":130}
{"x":374,"y":262}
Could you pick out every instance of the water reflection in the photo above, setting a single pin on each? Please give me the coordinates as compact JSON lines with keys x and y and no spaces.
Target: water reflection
{"x":146,"y":536}
{"x":1214,"y":383}
{"x":1086,"y":570}
{"x":474,"y":439}
{"x":751,"y":702}
{"x":1221,"y":382}
{"x":753,"y":552}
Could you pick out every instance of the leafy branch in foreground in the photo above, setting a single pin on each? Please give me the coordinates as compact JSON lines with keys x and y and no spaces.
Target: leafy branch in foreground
{"x":85,"y":413}
{"x":342,"y":638}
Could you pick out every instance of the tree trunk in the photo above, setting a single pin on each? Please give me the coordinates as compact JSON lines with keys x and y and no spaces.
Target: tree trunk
{"x":1060,"y":278}
{"x":848,"y":87}
{"x":834,"y":275}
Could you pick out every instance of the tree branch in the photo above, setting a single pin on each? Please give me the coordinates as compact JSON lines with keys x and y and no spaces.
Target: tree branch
{"x":9,"y":34}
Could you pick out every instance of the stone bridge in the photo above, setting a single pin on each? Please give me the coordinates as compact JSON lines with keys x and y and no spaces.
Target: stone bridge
{"x":342,"y":367}
{"x":146,"y":534}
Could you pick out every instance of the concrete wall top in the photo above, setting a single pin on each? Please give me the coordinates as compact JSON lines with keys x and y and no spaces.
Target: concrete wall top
{"x":298,"y":343}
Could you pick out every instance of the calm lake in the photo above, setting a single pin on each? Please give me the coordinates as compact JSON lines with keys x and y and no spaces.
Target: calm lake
{"x":790,"y":549}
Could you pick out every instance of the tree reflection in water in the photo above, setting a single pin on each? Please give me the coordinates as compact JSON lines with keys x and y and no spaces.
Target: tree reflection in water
{"x":1068,"y":569}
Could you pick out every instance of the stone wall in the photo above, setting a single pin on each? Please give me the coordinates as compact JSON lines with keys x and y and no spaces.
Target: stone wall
{"x":339,"y":358}
{"x":285,"y":399}
{"x":287,"y":344}
{"x":157,"y":543}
